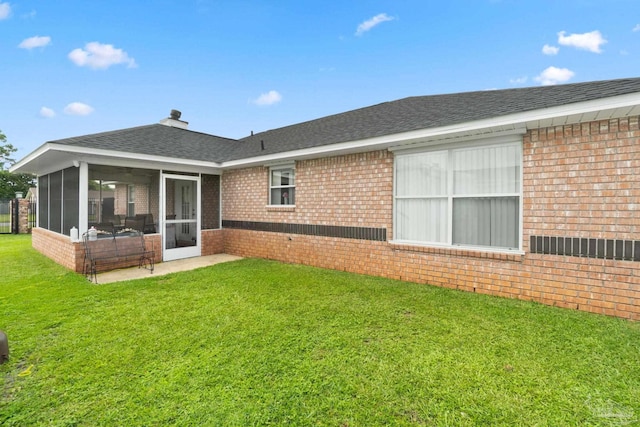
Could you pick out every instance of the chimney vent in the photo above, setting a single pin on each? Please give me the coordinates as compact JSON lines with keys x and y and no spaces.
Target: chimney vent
{"x":174,"y":120}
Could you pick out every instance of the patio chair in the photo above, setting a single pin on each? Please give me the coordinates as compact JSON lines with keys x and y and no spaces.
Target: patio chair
{"x":149,"y":225}
{"x":134,"y":223}
{"x":117,"y":220}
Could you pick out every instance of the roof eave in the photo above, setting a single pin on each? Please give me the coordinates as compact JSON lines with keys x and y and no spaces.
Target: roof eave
{"x":510,"y":124}
{"x":23,"y":165}
{"x":51,"y":157}
{"x":376,"y":143}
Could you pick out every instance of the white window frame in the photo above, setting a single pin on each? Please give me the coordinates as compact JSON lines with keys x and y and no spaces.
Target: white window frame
{"x":288,"y":166}
{"x":131,"y":199}
{"x":450,"y":149}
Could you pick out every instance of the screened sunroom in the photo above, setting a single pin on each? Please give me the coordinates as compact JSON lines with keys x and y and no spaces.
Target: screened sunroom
{"x":136,"y":180}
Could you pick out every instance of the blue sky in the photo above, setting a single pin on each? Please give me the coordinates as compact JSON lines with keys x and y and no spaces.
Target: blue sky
{"x":71,"y":68}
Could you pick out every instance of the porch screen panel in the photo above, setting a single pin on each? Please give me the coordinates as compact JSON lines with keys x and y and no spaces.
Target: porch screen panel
{"x":71,"y":199}
{"x":55,"y":202}
{"x":210,"y":202}
{"x":43,"y":202}
{"x":421,"y":202}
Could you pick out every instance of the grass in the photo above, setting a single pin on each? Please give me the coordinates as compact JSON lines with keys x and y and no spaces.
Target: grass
{"x":255,"y":342}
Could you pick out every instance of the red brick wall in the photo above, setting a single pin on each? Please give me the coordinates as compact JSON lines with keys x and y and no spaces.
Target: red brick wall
{"x":153,"y":242}
{"x":356,"y":189}
{"x":584,"y":181}
{"x":141,"y":198}
{"x":71,"y":255}
{"x":121,"y":199}
{"x":142,"y":201}
{"x":212,"y":242}
{"x":352,"y":190}
{"x":210,"y":201}
{"x":59,"y":248}
{"x":579,"y":181}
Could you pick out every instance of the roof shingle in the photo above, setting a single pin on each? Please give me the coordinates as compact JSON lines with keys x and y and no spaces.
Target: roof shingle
{"x":425,"y":112}
{"x":157,"y":140}
{"x":404,"y":115}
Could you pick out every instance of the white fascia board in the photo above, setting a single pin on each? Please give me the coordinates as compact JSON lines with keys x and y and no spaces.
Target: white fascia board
{"x":130,"y":156}
{"x":376,"y":143}
{"x":502,"y":125}
{"x":107,"y":157}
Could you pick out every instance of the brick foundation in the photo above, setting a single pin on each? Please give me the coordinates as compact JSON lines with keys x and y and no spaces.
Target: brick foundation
{"x":59,"y":248}
{"x":69,"y":254}
{"x":606,"y":287}
{"x":154,"y":242}
{"x":212,"y":242}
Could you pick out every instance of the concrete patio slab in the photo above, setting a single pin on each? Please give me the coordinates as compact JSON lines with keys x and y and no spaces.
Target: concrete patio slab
{"x":163,"y":268}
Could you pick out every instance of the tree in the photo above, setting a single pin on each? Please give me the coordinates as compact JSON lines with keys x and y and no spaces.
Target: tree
{"x":5,"y":151}
{"x":10,"y":183}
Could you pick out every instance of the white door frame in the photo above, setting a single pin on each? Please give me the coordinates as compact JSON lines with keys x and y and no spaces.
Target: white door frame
{"x":184,"y":252}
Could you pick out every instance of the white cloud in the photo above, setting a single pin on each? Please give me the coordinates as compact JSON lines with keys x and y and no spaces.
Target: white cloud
{"x":78,"y":109}
{"x":369,"y":24}
{"x":47,"y":112}
{"x":36,"y":41}
{"x":269,"y":98}
{"x":550,"y":50}
{"x":519,"y":80}
{"x":587,"y":41}
{"x":636,"y":28}
{"x":5,"y":10}
{"x":553,"y":75}
{"x":100,"y":56}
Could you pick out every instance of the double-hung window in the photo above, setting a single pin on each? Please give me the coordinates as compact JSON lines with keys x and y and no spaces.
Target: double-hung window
{"x":467,"y":196}
{"x":131,"y":200}
{"x":282,"y":186}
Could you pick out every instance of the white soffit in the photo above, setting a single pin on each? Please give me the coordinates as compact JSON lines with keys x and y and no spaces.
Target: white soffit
{"x":603,"y":109}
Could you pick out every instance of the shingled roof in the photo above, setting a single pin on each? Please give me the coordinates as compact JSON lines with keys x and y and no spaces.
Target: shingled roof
{"x":158,"y":140}
{"x":425,"y":112}
{"x":388,"y":118}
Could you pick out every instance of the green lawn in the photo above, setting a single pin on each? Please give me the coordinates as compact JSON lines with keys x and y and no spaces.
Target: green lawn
{"x":255,"y":342}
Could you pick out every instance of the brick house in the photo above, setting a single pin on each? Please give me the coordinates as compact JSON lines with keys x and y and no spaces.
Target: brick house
{"x":528,"y":193}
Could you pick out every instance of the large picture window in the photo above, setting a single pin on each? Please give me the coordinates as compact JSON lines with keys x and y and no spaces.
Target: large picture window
{"x":282,"y":186}
{"x":460,"y":196}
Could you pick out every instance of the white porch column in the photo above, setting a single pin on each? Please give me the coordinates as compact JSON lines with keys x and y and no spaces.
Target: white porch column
{"x":83,"y":199}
